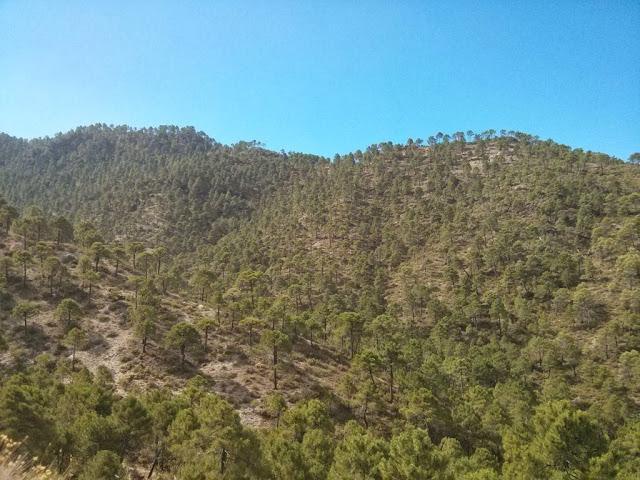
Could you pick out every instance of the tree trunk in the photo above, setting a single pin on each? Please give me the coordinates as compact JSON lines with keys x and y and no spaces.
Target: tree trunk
{"x":373,"y":380}
{"x":391,"y":382}
{"x":275,"y":368}
{"x":156,"y":458}
{"x":182,"y":348}
{"x":223,"y":460}
{"x":351,"y":334}
{"x":364,"y":414}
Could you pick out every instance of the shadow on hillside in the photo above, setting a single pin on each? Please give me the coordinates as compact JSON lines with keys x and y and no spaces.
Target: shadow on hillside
{"x":318,"y":351}
{"x":229,"y":388}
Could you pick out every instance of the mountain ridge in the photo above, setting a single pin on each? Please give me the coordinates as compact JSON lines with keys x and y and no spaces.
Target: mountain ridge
{"x":176,"y":173}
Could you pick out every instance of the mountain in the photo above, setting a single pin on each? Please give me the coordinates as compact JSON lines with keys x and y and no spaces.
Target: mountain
{"x":166,"y":183}
{"x":463,"y":308}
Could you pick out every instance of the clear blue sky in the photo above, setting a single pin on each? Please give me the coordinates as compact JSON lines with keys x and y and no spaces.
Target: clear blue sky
{"x":326,"y":76}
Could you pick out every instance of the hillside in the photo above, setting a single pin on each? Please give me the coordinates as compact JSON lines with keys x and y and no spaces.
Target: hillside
{"x":236,"y":371}
{"x":167,"y":183}
{"x":465,"y":308}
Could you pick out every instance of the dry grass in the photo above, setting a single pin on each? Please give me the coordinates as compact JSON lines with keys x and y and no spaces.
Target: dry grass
{"x":14,"y":466}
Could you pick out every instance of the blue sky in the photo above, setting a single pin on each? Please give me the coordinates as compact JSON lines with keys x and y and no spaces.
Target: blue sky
{"x":326,"y":76}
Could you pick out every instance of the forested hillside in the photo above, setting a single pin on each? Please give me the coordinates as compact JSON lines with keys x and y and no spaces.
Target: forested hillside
{"x":462,"y":308}
{"x":167,"y":184}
